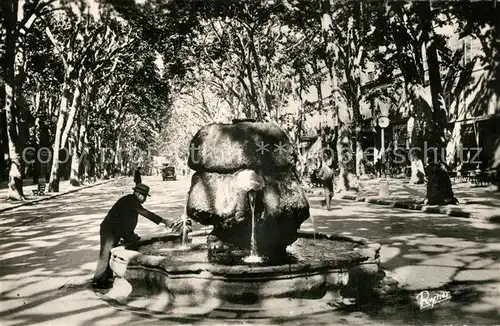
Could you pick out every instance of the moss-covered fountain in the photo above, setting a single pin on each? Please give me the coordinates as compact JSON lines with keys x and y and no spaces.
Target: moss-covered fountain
{"x":254,"y":262}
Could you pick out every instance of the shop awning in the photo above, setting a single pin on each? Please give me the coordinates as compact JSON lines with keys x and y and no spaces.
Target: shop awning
{"x":314,"y":150}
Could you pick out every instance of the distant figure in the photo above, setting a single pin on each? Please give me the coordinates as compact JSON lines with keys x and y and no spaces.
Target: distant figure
{"x":389,"y":161}
{"x":377,"y":162}
{"x":137,"y":176}
{"x":120,"y":223}
{"x":326,"y":175}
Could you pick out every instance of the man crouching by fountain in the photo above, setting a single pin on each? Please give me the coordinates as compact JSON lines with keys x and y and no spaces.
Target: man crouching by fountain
{"x":120,"y":224}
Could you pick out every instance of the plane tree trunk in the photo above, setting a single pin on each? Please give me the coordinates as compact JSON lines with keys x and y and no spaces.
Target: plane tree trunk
{"x":11,"y":56}
{"x":439,"y":190}
{"x":62,"y":113}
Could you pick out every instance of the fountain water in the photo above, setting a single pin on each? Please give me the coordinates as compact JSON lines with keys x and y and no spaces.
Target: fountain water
{"x":288,"y":271}
{"x":254,"y":257}
{"x":312,"y":221}
{"x":184,"y":232}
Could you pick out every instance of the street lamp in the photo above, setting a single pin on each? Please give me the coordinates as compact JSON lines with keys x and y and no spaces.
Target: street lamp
{"x":383,"y":122}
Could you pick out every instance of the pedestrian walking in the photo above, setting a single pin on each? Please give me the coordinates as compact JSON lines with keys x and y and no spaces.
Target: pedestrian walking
{"x":120,"y":223}
{"x":326,"y":176}
{"x":137,"y":176}
{"x":389,"y":167}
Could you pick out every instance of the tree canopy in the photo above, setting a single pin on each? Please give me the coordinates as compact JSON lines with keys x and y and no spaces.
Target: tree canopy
{"x":111,"y":78}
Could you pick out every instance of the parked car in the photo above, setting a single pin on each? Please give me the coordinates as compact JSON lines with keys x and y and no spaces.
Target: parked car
{"x":168,"y":173}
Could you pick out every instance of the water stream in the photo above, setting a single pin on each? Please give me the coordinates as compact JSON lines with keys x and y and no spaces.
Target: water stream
{"x":311,"y":216}
{"x":254,"y":257}
{"x":314,"y":226}
{"x":312,"y":220}
{"x":184,"y":232}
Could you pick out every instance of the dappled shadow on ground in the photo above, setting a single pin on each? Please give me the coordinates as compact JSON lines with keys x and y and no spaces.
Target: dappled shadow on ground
{"x":49,"y":252}
{"x":426,"y":251}
{"x":31,"y":199}
{"x":401,"y":188}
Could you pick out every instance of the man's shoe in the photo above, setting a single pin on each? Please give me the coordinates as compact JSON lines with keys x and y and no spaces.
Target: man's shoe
{"x":108,"y":284}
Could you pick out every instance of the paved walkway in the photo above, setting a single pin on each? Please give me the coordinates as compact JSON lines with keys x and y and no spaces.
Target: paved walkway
{"x":50,"y":250}
{"x":64,"y":188}
{"x":49,"y":253}
{"x":401,"y":188}
{"x":475,"y":202}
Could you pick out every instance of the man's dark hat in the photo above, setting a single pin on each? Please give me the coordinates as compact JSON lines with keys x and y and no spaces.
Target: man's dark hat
{"x":142,"y":189}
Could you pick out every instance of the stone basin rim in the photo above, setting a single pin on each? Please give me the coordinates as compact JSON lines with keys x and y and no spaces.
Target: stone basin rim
{"x":366,"y":253}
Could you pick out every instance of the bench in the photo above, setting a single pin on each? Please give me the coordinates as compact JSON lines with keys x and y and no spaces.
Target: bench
{"x":40,"y":190}
{"x":90,"y":180}
{"x":453,"y":174}
{"x":482,"y":178}
{"x":464,"y":175}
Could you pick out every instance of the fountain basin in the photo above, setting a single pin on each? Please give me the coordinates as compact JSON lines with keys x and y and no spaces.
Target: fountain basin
{"x":184,"y":278}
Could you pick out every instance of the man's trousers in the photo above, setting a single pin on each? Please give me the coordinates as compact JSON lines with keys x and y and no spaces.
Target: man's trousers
{"x":103,"y":272}
{"x":328,"y":190}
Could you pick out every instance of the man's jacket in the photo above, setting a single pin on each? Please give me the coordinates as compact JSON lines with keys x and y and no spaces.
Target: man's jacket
{"x":122,"y":218}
